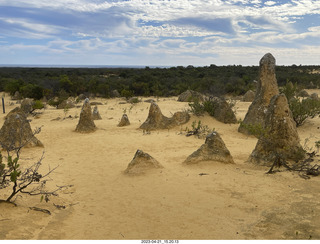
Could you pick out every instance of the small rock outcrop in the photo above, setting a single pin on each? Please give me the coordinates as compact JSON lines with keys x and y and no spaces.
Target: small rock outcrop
{"x":81,"y":97}
{"x":124,"y":121}
{"x":190,"y":96}
{"x":303,"y":93}
{"x":16,"y":96}
{"x":141,"y":163}
{"x":86,"y":124}
{"x":115,"y":93}
{"x":267,"y":87}
{"x":66,"y":104}
{"x":27,"y":105}
{"x":179,"y":118}
{"x":249,"y":96}
{"x":149,"y":101}
{"x":96,"y":114}
{"x":280,"y":138}
{"x":156,"y":120}
{"x":16,"y":131}
{"x":223,"y":111}
{"x":214,"y":149}
{"x":314,"y":96}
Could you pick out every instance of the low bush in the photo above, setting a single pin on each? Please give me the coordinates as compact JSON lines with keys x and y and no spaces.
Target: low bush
{"x":37,"y":105}
{"x":301,"y":108}
{"x":197,"y":108}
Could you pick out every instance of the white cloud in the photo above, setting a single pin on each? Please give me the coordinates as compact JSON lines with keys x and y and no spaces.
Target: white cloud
{"x":270,"y":3}
{"x":170,"y":28}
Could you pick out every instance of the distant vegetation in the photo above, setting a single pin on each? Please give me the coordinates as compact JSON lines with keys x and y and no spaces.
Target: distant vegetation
{"x":213,"y":80}
{"x":301,"y":108}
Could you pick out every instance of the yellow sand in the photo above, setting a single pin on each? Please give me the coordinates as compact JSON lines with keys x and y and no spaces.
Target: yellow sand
{"x":231,"y":202}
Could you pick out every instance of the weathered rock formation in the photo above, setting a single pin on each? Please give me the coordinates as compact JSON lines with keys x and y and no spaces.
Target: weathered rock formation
{"x":149,"y":101}
{"x":303,"y":93}
{"x":223,"y":111}
{"x":27,"y":105}
{"x":156,"y":120}
{"x":267,"y":87}
{"x":16,"y":131}
{"x":190,"y":96}
{"x":124,"y":121}
{"x":314,"y":96}
{"x":81,"y":97}
{"x":141,"y":163}
{"x":115,"y":93}
{"x":66,"y":104}
{"x":86,"y":124}
{"x":16,"y":96}
{"x":280,"y":137}
{"x":249,"y":96}
{"x":96,"y":114}
{"x":214,"y":149}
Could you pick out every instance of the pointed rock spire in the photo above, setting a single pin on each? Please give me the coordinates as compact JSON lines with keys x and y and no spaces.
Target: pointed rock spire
{"x":86,"y":124}
{"x":280,"y":138}
{"x":124,"y":121}
{"x":214,"y":149}
{"x":95,"y":113}
{"x":267,"y":87}
{"x":141,"y":163}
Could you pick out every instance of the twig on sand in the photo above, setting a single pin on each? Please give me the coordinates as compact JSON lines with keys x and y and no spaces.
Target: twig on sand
{"x":41,"y":210}
{"x":59,"y":206}
{"x":4,"y":219}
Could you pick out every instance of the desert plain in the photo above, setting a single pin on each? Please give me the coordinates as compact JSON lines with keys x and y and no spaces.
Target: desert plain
{"x":206,"y":201}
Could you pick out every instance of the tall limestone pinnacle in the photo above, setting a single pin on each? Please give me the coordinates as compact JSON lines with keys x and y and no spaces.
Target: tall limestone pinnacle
{"x":267,"y":87}
{"x":281,"y":137}
{"x":86,"y":124}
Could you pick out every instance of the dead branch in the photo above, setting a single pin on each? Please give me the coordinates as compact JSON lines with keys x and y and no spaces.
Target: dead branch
{"x":304,"y":167}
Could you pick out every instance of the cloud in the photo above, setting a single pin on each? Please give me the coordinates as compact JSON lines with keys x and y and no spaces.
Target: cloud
{"x":110,"y":22}
{"x":153,"y":30}
{"x":270,"y":3}
{"x":268,"y":23}
{"x":223,"y":25}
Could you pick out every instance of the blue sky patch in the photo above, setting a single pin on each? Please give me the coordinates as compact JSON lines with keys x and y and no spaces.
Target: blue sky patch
{"x":164,"y":33}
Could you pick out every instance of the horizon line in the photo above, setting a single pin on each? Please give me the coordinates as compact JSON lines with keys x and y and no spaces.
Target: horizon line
{"x":123,"y":66}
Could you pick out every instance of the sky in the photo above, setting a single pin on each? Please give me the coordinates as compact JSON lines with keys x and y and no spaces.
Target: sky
{"x":159,"y":32}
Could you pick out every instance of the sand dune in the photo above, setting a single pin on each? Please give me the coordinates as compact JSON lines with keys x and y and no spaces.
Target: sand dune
{"x":230,"y":201}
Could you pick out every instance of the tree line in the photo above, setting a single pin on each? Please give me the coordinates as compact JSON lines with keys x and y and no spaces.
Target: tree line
{"x":214,"y":80}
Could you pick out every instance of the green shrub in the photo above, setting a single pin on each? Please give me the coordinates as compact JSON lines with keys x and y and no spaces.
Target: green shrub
{"x":134,"y":100}
{"x":197,"y":108}
{"x":37,"y":105}
{"x":209,"y":107}
{"x":290,"y":90}
{"x":31,"y":91}
{"x":54,"y":103}
{"x":199,"y":130}
{"x":12,"y":85}
{"x":127,"y":93}
{"x":256,"y":130}
{"x":301,"y":108}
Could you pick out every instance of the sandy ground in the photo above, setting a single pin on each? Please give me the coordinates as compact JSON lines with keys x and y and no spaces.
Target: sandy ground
{"x":235,"y":201}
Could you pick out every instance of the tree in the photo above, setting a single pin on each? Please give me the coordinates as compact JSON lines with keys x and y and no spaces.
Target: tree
{"x":65,"y":83}
{"x":32,"y":91}
{"x":12,"y":85}
{"x":29,"y":180}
